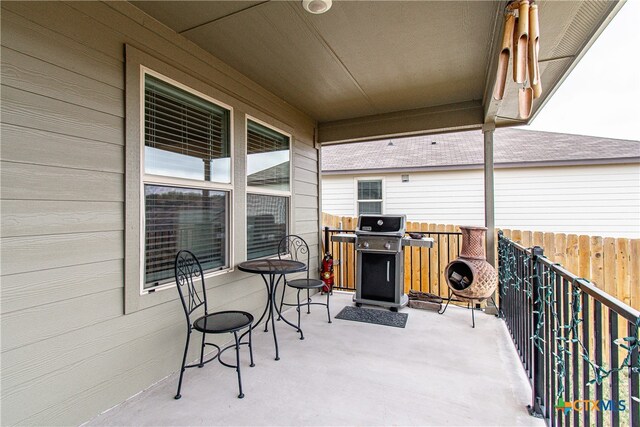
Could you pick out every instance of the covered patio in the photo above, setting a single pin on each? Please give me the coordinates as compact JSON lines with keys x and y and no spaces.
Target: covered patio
{"x":86,"y":324}
{"x":435,"y":371}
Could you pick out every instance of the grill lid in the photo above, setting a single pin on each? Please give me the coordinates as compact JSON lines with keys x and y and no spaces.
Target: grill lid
{"x":387,"y":224}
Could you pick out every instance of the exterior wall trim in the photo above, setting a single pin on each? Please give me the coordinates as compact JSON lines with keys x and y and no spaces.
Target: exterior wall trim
{"x":480,"y":166}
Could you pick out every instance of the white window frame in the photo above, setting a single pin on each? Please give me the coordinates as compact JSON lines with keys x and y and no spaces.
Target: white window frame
{"x":265,"y":191}
{"x":356,"y":180}
{"x":183,"y":182}
{"x":135,"y":59}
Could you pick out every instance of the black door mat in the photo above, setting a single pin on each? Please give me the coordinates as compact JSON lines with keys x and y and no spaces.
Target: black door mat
{"x":377,"y":317}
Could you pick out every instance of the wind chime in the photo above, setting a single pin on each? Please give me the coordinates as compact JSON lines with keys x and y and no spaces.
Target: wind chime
{"x":520,"y":40}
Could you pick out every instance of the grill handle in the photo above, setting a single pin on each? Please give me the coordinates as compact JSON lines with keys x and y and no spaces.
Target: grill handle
{"x":388,"y":264}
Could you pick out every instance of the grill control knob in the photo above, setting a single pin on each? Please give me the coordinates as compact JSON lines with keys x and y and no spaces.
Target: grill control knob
{"x":387,"y":245}
{"x":365,"y":244}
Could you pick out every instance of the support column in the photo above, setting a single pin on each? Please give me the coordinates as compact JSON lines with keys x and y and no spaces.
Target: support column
{"x":489,"y":199}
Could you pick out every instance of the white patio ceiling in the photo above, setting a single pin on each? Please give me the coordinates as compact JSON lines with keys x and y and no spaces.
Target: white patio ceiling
{"x":369,"y":69}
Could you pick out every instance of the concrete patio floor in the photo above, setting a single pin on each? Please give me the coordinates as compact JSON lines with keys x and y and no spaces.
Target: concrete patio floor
{"x":436,"y":371}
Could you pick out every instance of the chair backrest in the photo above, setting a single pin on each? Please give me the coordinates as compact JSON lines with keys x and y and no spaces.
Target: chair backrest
{"x":295,"y":246}
{"x":188,"y":271}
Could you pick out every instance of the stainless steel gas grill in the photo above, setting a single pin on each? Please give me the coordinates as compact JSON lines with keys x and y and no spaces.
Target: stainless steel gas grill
{"x":379,"y":240}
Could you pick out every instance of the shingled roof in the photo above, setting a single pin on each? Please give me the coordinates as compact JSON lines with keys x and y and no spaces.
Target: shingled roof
{"x":464,"y":150}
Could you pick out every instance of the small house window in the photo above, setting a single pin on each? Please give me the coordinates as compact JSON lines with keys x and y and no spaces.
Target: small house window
{"x":268,"y":189}
{"x":370,"y":196}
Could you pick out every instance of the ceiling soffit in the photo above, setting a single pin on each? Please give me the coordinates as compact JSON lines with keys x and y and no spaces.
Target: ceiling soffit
{"x":184,"y":15}
{"x":367,"y":69}
{"x":358,"y":59}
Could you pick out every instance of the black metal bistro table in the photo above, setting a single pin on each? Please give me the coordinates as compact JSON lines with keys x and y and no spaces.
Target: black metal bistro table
{"x":272,"y":271}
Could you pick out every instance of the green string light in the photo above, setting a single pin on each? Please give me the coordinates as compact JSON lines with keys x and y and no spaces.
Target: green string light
{"x":564,"y":334}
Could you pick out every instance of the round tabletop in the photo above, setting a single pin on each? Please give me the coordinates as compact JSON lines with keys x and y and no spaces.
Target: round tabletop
{"x":278,"y":266}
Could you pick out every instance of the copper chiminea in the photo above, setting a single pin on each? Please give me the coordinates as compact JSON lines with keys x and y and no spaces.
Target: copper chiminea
{"x":470,"y":277}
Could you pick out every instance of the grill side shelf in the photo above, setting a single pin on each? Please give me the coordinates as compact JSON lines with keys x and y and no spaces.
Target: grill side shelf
{"x":344,"y":238}
{"x":425,"y":242}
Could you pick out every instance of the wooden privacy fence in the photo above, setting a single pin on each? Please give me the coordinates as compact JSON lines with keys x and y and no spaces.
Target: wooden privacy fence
{"x":612,"y":264}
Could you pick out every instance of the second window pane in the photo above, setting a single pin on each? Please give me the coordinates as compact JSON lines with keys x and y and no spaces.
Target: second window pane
{"x":267,"y":219}
{"x":268,"y":158}
{"x":369,"y":207}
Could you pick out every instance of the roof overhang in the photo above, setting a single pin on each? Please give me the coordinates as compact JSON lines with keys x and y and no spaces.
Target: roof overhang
{"x":481,"y":166}
{"x":369,"y":69}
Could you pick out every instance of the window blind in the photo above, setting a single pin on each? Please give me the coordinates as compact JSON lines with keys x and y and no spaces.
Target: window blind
{"x":183,"y":218}
{"x":266,"y":224}
{"x":261,"y":139}
{"x":268,"y":156}
{"x":179,"y":122}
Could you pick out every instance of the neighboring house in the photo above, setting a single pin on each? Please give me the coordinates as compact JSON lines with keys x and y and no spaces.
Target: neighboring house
{"x":543,"y":181}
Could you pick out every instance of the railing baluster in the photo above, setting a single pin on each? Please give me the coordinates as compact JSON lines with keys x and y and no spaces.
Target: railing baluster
{"x":585,"y":366}
{"x":528,"y":318}
{"x":553,"y":325}
{"x":575,"y":379}
{"x":560,"y":334}
{"x":518,"y":311}
{"x":565,"y":342}
{"x":548,"y":347}
{"x":597,"y":331}
{"x":613,"y":358}
{"x":634,"y":380}
{"x":535,"y":309}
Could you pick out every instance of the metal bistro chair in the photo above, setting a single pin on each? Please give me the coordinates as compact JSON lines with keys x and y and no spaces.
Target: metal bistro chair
{"x":187,"y":271}
{"x":295,"y":246}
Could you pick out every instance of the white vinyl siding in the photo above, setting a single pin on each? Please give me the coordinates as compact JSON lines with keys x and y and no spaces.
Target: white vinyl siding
{"x":601,"y":200}
{"x":338,"y":195}
{"x":595,"y":200}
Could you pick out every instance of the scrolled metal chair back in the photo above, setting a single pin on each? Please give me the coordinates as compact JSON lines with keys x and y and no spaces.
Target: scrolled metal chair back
{"x":188,"y":271}
{"x":296,"y":247}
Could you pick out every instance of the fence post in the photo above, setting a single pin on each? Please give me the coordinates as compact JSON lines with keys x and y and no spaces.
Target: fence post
{"x":537,"y":387}
{"x":326,"y":241}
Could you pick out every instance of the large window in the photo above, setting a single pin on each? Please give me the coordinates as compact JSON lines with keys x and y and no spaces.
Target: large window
{"x":268,"y":189}
{"x":370,"y":196}
{"x":187,"y":177}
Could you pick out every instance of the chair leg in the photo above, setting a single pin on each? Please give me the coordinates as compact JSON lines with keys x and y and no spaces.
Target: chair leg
{"x":251,"y":348}
{"x":182,"y":368}
{"x":308,"y":303}
{"x":202,"y":352}
{"x":240,"y":394}
{"x":298,"y":308}
{"x":328,"y":314}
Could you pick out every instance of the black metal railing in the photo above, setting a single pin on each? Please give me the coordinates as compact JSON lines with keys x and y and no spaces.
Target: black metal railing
{"x":578,"y":345}
{"x":424,"y":267}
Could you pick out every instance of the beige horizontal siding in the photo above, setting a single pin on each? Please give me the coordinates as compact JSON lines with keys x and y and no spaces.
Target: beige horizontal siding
{"x":68,"y":352}
{"x":33,"y":146}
